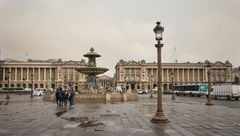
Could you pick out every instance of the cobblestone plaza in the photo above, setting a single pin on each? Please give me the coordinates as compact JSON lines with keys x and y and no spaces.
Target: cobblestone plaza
{"x":23,"y":116}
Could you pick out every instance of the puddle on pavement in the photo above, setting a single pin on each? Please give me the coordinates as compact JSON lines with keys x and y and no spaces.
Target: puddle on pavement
{"x":77,"y":119}
{"x":60,"y":113}
{"x":4,"y":102}
{"x":28,"y":120}
{"x":71,"y":125}
{"x":110,"y":115}
{"x":82,"y":122}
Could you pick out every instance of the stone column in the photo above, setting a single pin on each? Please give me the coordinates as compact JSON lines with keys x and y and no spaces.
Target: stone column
{"x":74,"y":74}
{"x":178,"y":75}
{"x":221,"y":77}
{"x":21,"y":73}
{"x":194,"y":75}
{"x":4,"y":76}
{"x":27,"y":73}
{"x":151,"y":72}
{"x":68,"y":74}
{"x":15,"y":73}
{"x":188,"y":75}
{"x":10,"y":75}
{"x":44,"y":74}
{"x":50,"y":72}
{"x":205,"y":70}
{"x":167,"y":75}
{"x":198,"y":75}
{"x":183,"y":78}
{"x":33,"y":72}
{"x":57,"y":72}
{"x":39,"y":75}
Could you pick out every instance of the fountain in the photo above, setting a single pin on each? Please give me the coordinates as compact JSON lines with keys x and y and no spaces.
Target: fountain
{"x":91,"y":71}
{"x":94,"y":93}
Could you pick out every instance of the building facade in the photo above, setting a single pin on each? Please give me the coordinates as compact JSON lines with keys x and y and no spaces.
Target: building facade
{"x":236,"y":75}
{"x":41,"y":74}
{"x":142,"y":75}
{"x":105,"y":81}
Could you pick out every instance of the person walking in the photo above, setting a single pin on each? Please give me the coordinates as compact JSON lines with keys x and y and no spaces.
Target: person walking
{"x":58,"y":95}
{"x":71,"y":97}
{"x":65,"y":96}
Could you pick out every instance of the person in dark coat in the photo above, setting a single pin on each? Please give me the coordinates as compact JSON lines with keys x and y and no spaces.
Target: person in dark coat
{"x":71,"y":96}
{"x":57,"y":95}
{"x":65,"y":96}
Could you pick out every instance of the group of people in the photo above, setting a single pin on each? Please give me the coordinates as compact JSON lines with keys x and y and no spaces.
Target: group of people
{"x":65,"y":95}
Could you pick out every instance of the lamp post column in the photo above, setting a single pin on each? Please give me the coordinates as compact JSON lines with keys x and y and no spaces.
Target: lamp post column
{"x":209,"y":102}
{"x":159,"y":115}
{"x":173,"y":95}
{"x":151,"y":87}
{"x":8,"y":76}
{"x":32,"y":86}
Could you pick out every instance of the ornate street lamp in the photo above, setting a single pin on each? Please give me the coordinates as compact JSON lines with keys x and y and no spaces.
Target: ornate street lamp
{"x":208,"y":65}
{"x":159,"y":115}
{"x":8,"y":77}
{"x":32,"y":86}
{"x":172,"y":77}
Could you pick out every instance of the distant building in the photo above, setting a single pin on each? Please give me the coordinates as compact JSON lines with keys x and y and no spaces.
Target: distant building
{"x":236,"y":75}
{"x":105,"y":81}
{"x":143,"y":75}
{"x":46,"y":73}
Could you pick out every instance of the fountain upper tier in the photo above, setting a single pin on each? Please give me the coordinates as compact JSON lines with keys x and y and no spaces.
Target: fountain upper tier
{"x":92,"y":69}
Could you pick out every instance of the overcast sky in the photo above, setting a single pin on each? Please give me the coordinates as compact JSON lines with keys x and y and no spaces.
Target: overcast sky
{"x":120,"y":29}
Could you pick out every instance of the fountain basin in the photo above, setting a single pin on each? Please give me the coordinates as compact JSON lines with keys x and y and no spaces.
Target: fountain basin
{"x":92,"y":71}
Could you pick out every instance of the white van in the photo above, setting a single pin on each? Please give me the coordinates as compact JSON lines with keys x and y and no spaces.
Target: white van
{"x":38,"y":91}
{"x":226,"y":91}
{"x":119,"y":89}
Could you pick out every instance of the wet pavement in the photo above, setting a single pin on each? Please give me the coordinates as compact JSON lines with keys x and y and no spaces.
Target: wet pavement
{"x":23,"y":116}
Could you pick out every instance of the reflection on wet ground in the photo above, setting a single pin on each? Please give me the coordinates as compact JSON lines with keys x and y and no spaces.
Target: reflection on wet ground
{"x":4,"y":102}
{"x":60,"y":113}
{"x":84,"y":121}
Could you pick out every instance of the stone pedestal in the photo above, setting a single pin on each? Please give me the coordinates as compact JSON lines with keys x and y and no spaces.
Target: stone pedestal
{"x":124,"y":97}
{"x":108,"y":97}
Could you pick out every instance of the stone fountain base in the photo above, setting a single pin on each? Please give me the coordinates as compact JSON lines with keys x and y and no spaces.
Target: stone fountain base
{"x":108,"y":97}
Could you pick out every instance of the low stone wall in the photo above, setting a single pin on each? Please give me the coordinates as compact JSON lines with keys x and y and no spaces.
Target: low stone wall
{"x":132,"y":96}
{"x":109,"y":97}
{"x":90,"y":98}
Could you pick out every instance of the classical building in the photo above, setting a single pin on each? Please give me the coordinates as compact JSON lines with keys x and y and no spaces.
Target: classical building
{"x":143,"y":75}
{"x":105,"y":81}
{"x":236,"y":75}
{"x":41,"y":73}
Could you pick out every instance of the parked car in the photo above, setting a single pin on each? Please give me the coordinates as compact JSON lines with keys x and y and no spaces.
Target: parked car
{"x":145,"y":91}
{"x":139,"y":91}
{"x":38,"y":91}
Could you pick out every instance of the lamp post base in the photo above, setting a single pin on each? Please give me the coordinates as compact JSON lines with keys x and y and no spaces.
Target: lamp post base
{"x":209,"y":103}
{"x":159,"y":118}
{"x":7,"y":97}
{"x":173,"y":97}
{"x":151,"y":96}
